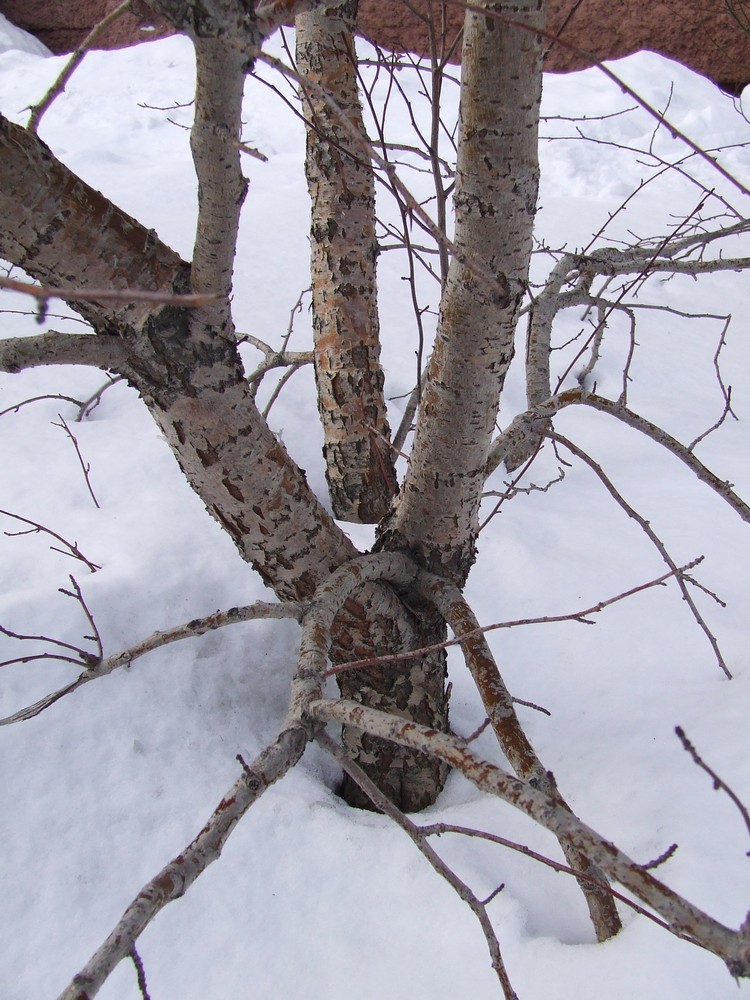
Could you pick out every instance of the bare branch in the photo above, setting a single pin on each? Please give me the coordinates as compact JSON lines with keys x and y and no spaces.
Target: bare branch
{"x":682,"y":917}
{"x":72,"y":547}
{"x":719,"y":783}
{"x":196,"y":627}
{"x":645,"y":526}
{"x":591,"y":60}
{"x":86,"y":468}
{"x":175,"y":879}
{"x":573,"y":396}
{"x":109,"y":295}
{"x":20,"y":353}
{"x":93,"y":401}
{"x":384,"y":804}
{"x":73,"y":63}
{"x":37,"y":399}
{"x":516,"y":746}
{"x":583,"y":617}
{"x":439,"y":829}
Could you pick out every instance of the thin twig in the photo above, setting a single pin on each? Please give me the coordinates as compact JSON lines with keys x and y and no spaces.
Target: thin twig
{"x":37,"y":399}
{"x":96,"y":637}
{"x":93,"y":401}
{"x":679,"y":576}
{"x":72,"y":64}
{"x":583,"y":617}
{"x":384,"y":804}
{"x":196,"y":627}
{"x":439,"y":829}
{"x":175,"y":878}
{"x":84,"y":465}
{"x":719,"y":783}
{"x":72,"y":547}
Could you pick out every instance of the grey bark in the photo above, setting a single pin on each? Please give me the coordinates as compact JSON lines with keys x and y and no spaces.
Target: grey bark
{"x":359,"y":461}
{"x":435,"y":515}
{"x":190,"y":376}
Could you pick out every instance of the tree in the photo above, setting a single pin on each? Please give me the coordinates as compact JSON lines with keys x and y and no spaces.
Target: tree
{"x":167,"y":327}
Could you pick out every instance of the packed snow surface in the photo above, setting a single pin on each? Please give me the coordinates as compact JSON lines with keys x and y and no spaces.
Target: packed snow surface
{"x":309,"y":898}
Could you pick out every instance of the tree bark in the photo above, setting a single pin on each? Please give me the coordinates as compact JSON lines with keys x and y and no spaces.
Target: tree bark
{"x":435,"y":517}
{"x":190,"y":376}
{"x":359,"y":462}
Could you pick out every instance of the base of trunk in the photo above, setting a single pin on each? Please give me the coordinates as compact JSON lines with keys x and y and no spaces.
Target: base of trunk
{"x":381,"y":623}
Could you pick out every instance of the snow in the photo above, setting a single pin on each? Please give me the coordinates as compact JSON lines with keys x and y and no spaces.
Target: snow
{"x":309,"y":898}
{"x":15,"y":39}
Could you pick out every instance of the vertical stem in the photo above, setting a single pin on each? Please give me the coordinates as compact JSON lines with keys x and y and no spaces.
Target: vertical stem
{"x":436,"y":515}
{"x":359,"y":461}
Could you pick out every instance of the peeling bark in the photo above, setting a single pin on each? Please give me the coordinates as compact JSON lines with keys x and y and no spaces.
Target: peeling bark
{"x":359,"y":462}
{"x":435,"y":516}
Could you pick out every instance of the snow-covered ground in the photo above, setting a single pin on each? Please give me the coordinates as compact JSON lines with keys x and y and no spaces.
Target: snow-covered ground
{"x":311,"y":899}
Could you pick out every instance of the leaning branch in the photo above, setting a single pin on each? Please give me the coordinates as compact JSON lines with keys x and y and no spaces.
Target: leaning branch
{"x":175,"y":879}
{"x":679,"y":575}
{"x":192,"y":629}
{"x":682,"y":917}
{"x":477,"y":906}
{"x":125,"y":295}
{"x":524,"y":423}
{"x":73,"y":63}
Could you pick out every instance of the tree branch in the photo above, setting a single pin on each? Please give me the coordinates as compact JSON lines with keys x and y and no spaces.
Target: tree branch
{"x":38,"y":110}
{"x":683,"y":918}
{"x":175,"y":879}
{"x":679,"y":575}
{"x":384,"y":804}
{"x":359,"y":468}
{"x":554,"y":404}
{"x":516,"y":746}
{"x":192,"y":629}
{"x":51,"y":348}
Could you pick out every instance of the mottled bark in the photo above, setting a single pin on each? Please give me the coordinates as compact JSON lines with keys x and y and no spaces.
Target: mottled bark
{"x":190,"y":376}
{"x":435,"y":516}
{"x":359,"y":462}
{"x":59,"y":229}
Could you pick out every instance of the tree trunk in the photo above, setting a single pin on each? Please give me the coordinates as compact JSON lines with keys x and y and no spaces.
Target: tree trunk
{"x":436,"y":514}
{"x":359,"y":462}
{"x":190,"y":377}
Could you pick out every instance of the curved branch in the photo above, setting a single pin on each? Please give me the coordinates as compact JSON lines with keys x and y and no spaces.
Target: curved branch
{"x":419,"y":837}
{"x":679,"y":575}
{"x":498,"y":704}
{"x":524,"y":424}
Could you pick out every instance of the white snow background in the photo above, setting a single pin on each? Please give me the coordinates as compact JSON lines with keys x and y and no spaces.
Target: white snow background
{"x":311,"y":899}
